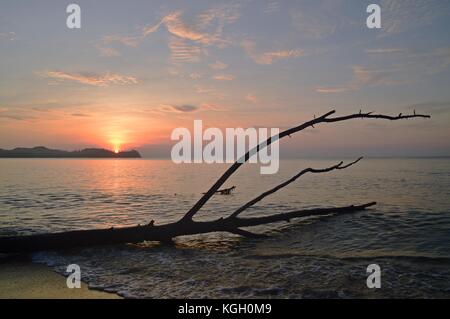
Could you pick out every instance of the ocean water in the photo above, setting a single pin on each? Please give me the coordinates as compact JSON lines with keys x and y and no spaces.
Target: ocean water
{"x":407,"y":234}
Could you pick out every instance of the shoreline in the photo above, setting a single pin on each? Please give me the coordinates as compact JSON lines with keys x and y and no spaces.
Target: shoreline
{"x":20,"y":279}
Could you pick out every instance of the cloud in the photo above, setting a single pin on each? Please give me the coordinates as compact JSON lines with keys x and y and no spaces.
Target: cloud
{"x":218,"y":65}
{"x":80,"y":115}
{"x":272,"y":7}
{"x":91,"y":78}
{"x":195,"y":76}
{"x":367,"y":76}
{"x":318,"y":21}
{"x":209,"y":91}
{"x":131,"y":41}
{"x":363,"y":76}
{"x":224,"y":77}
{"x":270,"y":57}
{"x":181,"y":51}
{"x":407,"y":67}
{"x":186,"y":108}
{"x":212,"y":107}
{"x":203,"y":90}
{"x":189,"y":108}
{"x":435,"y":107}
{"x":385,"y":51}
{"x":177,"y":27}
{"x":251,"y":98}
{"x":402,"y":15}
{"x":321,"y":89}
{"x":14,"y":114}
{"x":431,"y":62}
{"x":219,"y":17}
{"x":7,"y":36}
{"x":107,"y":51}
{"x":206,"y":30}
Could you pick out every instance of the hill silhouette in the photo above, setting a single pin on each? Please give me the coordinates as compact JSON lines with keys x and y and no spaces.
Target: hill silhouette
{"x":44,"y":152}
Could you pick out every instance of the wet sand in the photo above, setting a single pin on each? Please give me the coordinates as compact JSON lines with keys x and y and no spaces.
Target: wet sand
{"x":25,"y":280}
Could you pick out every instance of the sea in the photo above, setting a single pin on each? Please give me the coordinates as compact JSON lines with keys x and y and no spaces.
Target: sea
{"x":407,"y":234}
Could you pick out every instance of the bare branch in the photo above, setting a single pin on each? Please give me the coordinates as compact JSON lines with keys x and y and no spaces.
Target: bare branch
{"x":255,"y":221}
{"x":289,"y":181}
{"x":322,"y":119}
{"x":247,"y":234}
{"x":350,"y":164}
{"x":163,"y":233}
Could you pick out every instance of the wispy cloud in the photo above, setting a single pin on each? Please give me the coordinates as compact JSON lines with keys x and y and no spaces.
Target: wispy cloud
{"x":132,"y":41}
{"x":188,"y":42}
{"x":175,"y":25}
{"x":270,"y":56}
{"x":330,"y":89}
{"x":251,"y":98}
{"x":186,"y":108}
{"x":203,"y":90}
{"x":181,"y":51}
{"x":224,"y":77}
{"x":195,"y":76}
{"x":80,"y":115}
{"x":435,"y":107}
{"x":402,"y":67}
{"x":402,"y":15}
{"x":7,"y":114}
{"x":363,"y":76}
{"x":7,"y":36}
{"x":272,"y":7}
{"x":218,"y":65}
{"x":107,"y":51}
{"x":385,"y":50}
{"x":207,"y":30}
{"x":91,"y":78}
{"x":213,"y":107}
{"x":430,"y":62}
{"x":318,"y":20}
{"x":209,"y":91}
{"x":218,"y":17}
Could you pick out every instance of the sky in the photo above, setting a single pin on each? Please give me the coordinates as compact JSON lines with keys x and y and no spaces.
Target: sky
{"x":136,"y":70}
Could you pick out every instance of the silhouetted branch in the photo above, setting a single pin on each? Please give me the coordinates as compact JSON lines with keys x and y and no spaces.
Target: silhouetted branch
{"x":163,"y":233}
{"x":322,"y":119}
{"x":245,"y":233}
{"x":255,"y":221}
{"x":289,"y":181}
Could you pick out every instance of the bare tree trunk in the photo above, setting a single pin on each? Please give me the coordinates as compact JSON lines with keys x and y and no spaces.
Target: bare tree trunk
{"x":162,"y":233}
{"x":186,"y":225}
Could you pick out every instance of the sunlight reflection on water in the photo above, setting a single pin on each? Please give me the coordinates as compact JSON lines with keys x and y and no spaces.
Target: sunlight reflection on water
{"x":407,"y":233}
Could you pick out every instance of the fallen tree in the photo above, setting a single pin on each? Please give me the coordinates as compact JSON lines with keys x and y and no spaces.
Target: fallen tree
{"x":186,"y":225}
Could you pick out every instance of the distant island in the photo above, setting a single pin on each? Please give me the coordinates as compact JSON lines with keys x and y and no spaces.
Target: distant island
{"x":44,"y":152}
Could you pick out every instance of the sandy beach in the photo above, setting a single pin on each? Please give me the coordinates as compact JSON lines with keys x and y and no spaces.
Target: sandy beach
{"x":25,"y":280}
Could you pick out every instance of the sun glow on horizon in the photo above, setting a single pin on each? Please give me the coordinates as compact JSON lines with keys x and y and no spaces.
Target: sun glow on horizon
{"x":116,"y":143}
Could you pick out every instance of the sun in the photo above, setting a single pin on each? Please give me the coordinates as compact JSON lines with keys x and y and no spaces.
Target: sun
{"x":116,"y":142}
